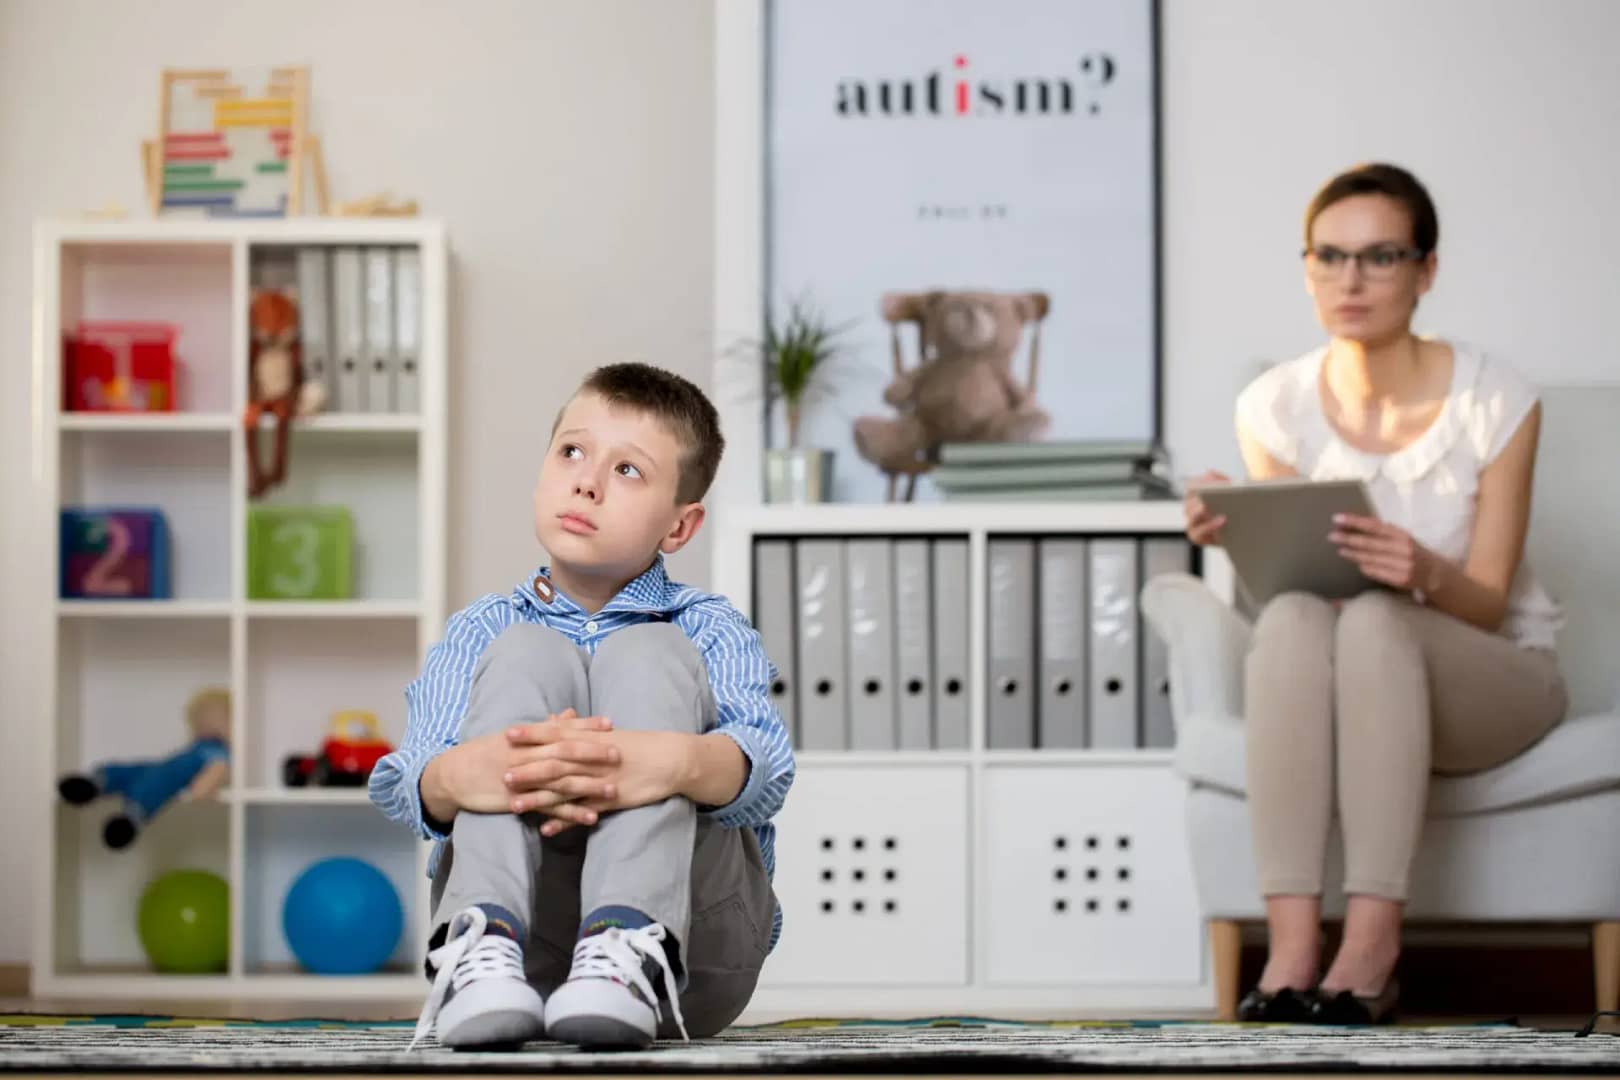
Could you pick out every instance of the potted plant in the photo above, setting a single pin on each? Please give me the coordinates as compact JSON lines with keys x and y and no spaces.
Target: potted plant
{"x":798,"y":355}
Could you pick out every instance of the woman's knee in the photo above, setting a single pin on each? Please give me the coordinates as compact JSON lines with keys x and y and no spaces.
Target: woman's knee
{"x":1292,"y":614}
{"x":1375,"y":615}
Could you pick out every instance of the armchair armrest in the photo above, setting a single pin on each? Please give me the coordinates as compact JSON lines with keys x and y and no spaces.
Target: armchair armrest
{"x":1206,"y":640}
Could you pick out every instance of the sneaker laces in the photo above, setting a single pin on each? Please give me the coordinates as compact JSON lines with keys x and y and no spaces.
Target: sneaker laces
{"x":616,"y":954}
{"x":467,"y":954}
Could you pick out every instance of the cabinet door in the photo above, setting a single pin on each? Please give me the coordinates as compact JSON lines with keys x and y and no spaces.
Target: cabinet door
{"x":1089,"y":876}
{"x":872,"y":875}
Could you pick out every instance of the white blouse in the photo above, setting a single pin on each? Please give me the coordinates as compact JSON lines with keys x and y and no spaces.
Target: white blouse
{"x":1428,"y":486}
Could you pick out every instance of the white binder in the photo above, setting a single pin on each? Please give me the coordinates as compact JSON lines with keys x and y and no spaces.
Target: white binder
{"x":349,"y":329}
{"x":819,"y":591}
{"x":315,"y":318}
{"x":1011,"y":693}
{"x":1113,"y":644}
{"x":913,"y":645}
{"x":1061,"y":644}
{"x":1160,"y":555}
{"x":379,"y":330}
{"x":773,"y":617}
{"x":407,"y":329}
{"x":953,"y":677}
{"x":869,"y":602}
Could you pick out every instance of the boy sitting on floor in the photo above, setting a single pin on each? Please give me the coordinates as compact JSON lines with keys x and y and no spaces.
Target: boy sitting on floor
{"x":598,"y":756}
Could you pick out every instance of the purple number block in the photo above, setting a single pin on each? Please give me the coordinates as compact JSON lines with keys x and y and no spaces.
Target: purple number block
{"x":114,"y":553}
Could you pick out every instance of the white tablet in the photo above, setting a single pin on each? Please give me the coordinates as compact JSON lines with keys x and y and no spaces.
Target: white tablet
{"x":1276,"y":535}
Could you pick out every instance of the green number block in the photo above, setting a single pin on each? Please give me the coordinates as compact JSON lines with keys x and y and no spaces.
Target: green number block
{"x":299,"y":553}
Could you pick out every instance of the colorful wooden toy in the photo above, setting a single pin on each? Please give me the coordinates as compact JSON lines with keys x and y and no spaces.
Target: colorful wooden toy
{"x":114,"y":553}
{"x":300,"y":553}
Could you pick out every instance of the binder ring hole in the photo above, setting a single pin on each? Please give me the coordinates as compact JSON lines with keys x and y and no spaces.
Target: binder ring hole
{"x":888,"y":875}
{"x":860,"y":875}
{"x":826,"y":875}
{"x":1060,"y":905}
{"x":890,"y":843}
{"x":859,"y":906}
{"x":890,"y":906}
{"x":914,"y":687}
{"x":1061,"y":873}
{"x":826,"y":843}
{"x":1009,"y":687}
{"x":1114,"y":686}
{"x":1124,"y":873}
{"x":1063,"y":686}
{"x":872,"y":687}
{"x":1091,"y":873}
{"x":1091,"y":905}
{"x":860,"y":843}
{"x":824,"y":687}
{"x":778,"y":688}
{"x":1124,"y":904}
{"x":1060,"y":842}
{"x":827,"y":906}
{"x":953,"y":686}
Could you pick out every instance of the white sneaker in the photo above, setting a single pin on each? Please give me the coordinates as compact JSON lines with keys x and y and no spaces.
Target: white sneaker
{"x":480,"y":996}
{"x":608,"y":1001}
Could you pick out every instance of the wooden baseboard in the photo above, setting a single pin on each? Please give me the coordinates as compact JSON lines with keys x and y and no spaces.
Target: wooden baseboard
{"x":14,"y":980}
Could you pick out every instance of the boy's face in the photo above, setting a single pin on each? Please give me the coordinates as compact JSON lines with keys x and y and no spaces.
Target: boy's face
{"x":605,"y":499}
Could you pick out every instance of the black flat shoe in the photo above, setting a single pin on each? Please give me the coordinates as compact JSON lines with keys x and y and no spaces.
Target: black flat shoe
{"x":1285,"y":1006}
{"x":1349,"y":1009}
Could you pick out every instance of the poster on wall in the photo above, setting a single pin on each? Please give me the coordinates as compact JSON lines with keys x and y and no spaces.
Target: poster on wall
{"x":967,"y":193}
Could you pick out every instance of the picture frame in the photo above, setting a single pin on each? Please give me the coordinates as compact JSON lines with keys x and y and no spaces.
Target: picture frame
{"x":1120,"y":372}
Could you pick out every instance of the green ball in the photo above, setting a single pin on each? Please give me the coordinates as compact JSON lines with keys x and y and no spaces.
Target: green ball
{"x":185,"y":922}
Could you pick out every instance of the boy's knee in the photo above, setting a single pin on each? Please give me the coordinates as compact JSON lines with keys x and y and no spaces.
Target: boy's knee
{"x":636,"y":647}
{"x":532,"y":650}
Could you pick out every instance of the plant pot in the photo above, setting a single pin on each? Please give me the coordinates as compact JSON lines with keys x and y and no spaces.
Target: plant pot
{"x":798,"y":475}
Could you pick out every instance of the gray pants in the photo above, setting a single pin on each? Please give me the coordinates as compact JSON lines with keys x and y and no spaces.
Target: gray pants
{"x":706,"y":884}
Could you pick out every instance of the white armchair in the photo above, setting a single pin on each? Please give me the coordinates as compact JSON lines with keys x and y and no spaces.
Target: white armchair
{"x":1535,"y":840}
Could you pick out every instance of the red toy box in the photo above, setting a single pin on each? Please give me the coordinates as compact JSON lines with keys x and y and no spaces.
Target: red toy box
{"x":120,"y":367}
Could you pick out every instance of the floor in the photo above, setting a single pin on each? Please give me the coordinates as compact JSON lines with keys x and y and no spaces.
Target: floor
{"x":397,"y":1010}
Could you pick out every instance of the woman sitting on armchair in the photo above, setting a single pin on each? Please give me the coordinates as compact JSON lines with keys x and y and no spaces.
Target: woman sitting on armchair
{"x":1350,"y":706}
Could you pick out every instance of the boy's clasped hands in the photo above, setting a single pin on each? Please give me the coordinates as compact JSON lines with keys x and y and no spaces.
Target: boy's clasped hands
{"x":568,"y":768}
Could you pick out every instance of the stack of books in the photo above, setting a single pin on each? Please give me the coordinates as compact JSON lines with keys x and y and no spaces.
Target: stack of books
{"x":1084,"y":470}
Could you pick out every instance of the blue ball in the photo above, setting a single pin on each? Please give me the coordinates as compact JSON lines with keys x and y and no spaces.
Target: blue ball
{"x":342,"y":917}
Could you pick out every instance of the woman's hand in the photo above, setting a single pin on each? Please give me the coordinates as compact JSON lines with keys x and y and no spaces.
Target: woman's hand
{"x":1203,"y":527}
{"x":1386,"y":552}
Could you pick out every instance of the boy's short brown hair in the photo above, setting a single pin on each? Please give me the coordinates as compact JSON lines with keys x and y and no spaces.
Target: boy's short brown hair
{"x":676,"y":402}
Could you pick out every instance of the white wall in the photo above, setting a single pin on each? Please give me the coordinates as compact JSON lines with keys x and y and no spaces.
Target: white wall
{"x":567,"y":145}
{"x":1507,"y":110}
{"x":585,"y":234}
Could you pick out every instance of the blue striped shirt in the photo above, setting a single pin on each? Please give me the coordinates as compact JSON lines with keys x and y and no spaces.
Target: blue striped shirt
{"x":740,"y":676}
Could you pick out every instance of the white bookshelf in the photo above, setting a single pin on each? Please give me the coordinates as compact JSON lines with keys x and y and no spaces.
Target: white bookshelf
{"x":114,"y":676}
{"x":964,"y":905}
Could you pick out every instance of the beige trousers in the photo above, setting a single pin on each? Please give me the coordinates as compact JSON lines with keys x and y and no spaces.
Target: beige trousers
{"x":1352,"y":709}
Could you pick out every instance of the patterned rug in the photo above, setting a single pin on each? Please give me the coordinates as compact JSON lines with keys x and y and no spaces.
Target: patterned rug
{"x":962,"y":1045}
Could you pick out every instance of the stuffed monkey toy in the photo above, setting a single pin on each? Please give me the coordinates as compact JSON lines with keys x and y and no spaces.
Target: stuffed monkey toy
{"x":276,"y":383}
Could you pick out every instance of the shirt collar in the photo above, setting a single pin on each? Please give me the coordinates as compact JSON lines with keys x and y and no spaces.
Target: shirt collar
{"x":651,"y":592}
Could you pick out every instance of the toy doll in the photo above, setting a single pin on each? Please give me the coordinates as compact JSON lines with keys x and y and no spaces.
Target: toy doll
{"x":145,"y":787}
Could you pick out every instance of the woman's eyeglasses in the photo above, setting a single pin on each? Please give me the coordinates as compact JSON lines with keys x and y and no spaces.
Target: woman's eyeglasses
{"x":1376,"y":263}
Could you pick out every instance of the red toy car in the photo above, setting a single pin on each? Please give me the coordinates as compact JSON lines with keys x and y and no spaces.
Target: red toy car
{"x":346,"y":757}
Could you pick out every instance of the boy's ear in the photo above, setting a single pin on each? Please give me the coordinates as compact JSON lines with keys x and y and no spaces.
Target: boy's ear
{"x":686,"y":526}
